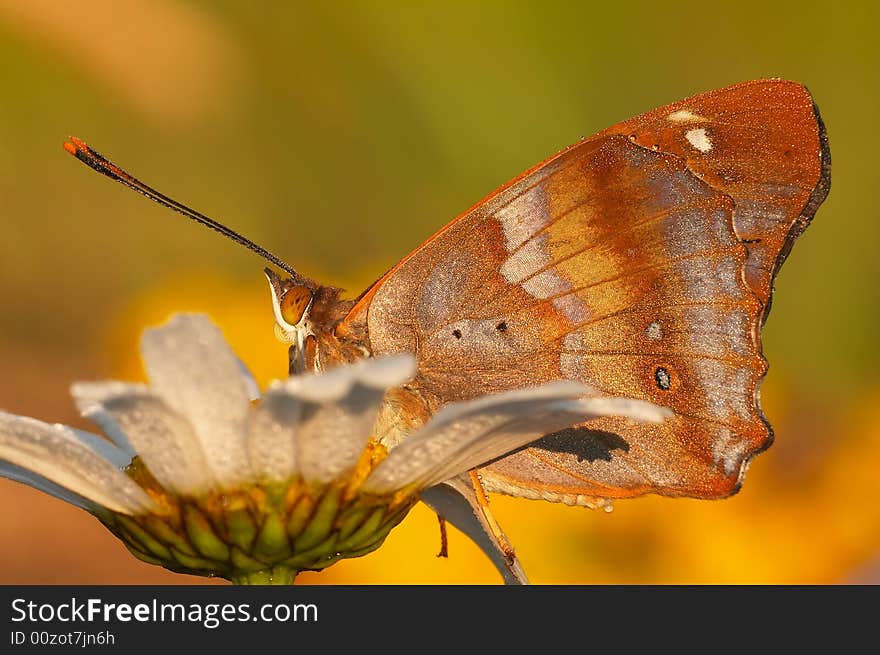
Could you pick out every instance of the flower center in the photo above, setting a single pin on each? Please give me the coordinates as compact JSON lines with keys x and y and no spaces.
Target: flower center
{"x":262,"y":534}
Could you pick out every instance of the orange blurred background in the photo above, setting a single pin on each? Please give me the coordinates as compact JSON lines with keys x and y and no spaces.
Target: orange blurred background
{"x":340,"y":139}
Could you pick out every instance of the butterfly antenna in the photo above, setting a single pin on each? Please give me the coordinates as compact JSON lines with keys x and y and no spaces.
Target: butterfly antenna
{"x":93,"y":159}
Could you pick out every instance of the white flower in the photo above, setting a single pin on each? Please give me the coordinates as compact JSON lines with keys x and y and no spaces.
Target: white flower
{"x":198,"y":478}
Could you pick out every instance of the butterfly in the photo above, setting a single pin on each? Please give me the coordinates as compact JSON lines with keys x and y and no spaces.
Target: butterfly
{"x":639,"y":261}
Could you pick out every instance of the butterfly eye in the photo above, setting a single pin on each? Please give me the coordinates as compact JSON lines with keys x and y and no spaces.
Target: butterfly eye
{"x":294,"y":304}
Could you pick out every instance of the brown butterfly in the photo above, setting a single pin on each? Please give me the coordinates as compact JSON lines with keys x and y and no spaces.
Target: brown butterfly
{"x":639,"y":261}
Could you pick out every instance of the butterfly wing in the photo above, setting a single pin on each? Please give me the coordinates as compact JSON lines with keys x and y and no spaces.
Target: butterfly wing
{"x":763,"y":144}
{"x":639,"y":261}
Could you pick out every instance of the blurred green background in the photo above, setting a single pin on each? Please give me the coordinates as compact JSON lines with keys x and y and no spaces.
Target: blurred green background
{"x":340,"y":138}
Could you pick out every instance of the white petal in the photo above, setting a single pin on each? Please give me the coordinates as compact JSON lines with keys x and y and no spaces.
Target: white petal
{"x":250,"y":382}
{"x":191,"y":366}
{"x":332,"y":435}
{"x":456,"y":502}
{"x":385,"y":372}
{"x":82,"y":393}
{"x":109,"y":451}
{"x":271,"y":434}
{"x":64,"y":460}
{"x":31,"y":479}
{"x":163,"y":438}
{"x":339,"y":411}
{"x":462,"y":436}
{"x":326,"y":387}
{"x":378,"y":373}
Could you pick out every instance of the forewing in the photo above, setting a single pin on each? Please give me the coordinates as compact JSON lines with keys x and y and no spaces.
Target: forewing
{"x":762,"y":143}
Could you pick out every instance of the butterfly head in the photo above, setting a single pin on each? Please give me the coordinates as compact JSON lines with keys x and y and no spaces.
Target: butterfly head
{"x":309,"y":317}
{"x":291,"y":303}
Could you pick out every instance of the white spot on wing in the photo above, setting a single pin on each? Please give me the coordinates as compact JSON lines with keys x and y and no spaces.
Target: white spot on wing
{"x":685,"y":116}
{"x":654,"y":331}
{"x":527,"y":261}
{"x":728,"y":451}
{"x":523,"y":217}
{"x":699,"y":139}
{"x":530,"y":266}
{"x":574,"y":309}
{"x":545,"y":284}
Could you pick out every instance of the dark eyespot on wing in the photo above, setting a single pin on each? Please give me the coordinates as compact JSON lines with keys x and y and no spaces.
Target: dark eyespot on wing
{"x":664,"y":381}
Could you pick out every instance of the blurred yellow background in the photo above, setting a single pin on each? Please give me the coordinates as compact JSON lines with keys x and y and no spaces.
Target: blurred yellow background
{"x":339,"y":139}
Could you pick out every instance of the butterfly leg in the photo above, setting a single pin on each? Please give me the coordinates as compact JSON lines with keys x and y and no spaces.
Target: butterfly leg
{"x":461,"y":502}
{"x":482,"y":499}
{"x":444,"y":540}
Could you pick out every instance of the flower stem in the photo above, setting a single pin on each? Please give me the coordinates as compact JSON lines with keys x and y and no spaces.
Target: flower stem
{"x":277,"y":575}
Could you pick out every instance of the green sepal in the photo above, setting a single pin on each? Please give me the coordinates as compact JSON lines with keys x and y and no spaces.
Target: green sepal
{"x":306,"y":559}
{"x":321,"y":523}
{"x":162,"y":531}
{"x":201,"y":534}
{"x":351,"y":520}
{"x":365,"y":531}
{"x":241,"y":527}
{"x":137,"y":534}
{"x":244,"y":562}
{"x":195,"y":563}
{"x":300,"y":515}
{"x":272,"y":541}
